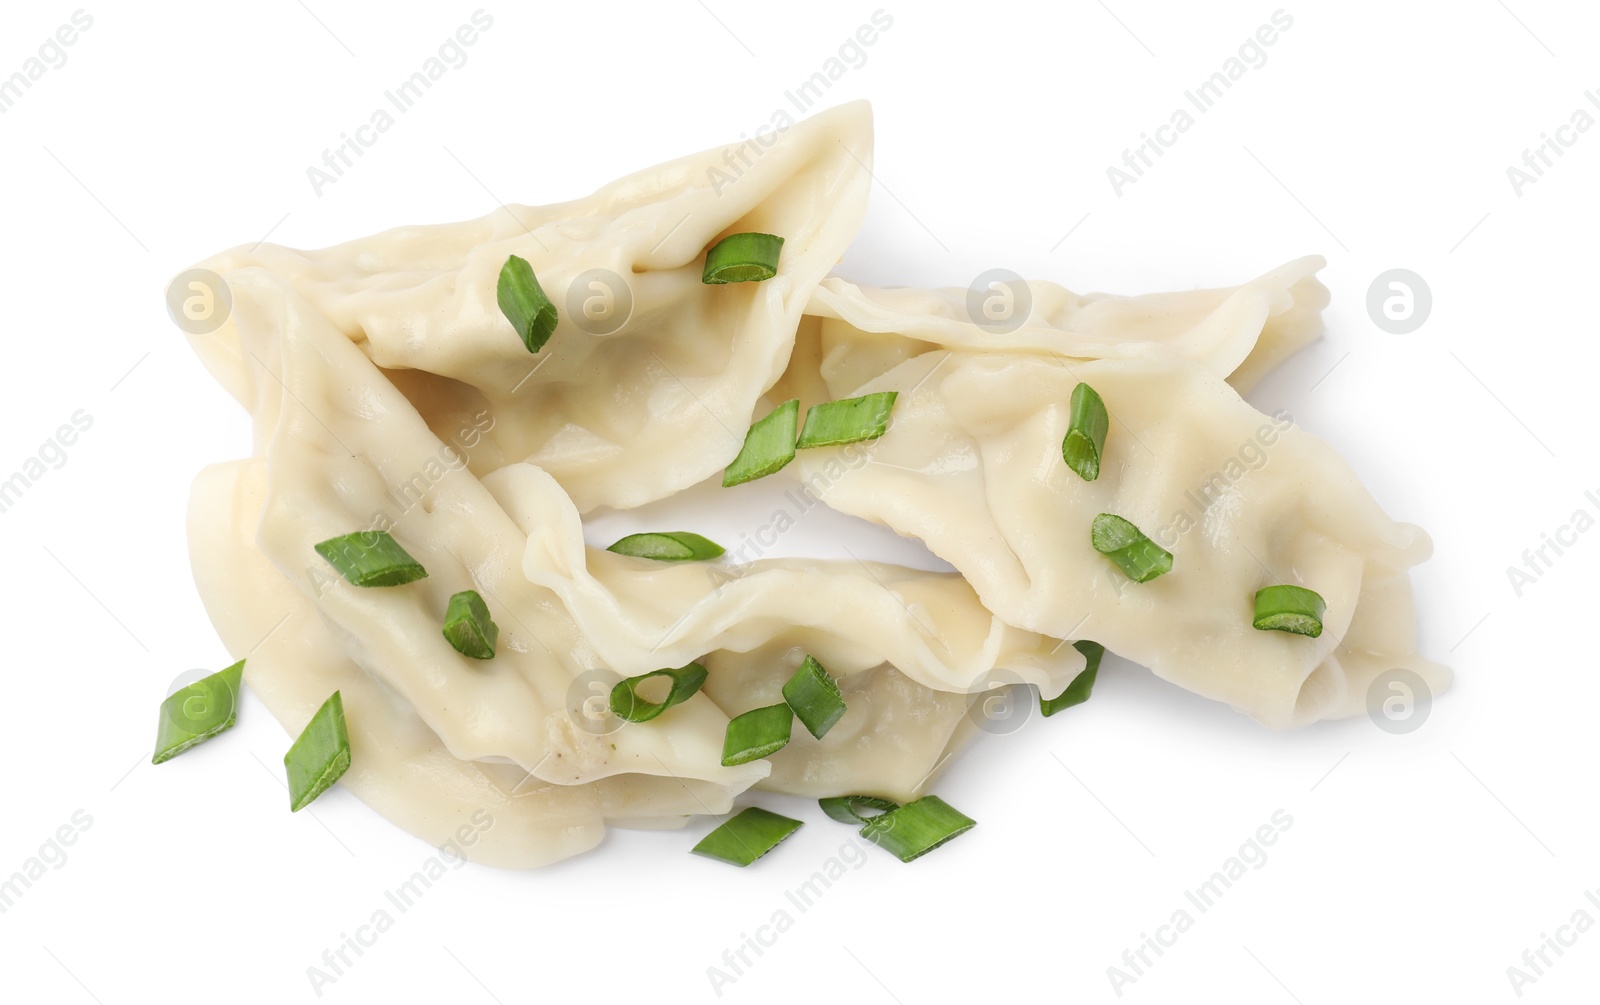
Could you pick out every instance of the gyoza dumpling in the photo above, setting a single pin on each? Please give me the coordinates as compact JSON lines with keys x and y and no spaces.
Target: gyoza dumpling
{"x":972,"y":465}
{"x":339,"y":444}
{"x":341,"y":449}
{"x":1240,"y":333}
{"x":623,"y":405}
{"x":399,"y":766}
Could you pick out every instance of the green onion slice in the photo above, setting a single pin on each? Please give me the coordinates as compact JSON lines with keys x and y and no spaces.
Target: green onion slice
{"x":1138,"y":556}
{"x":1078,"y":691}
{"x":768,"y":446}
{"x":198,"y":712}
{"x":1290,"y":609}
{"x":814,"y":696}
{"x":917,"y":828}
{"x":1086,"y":433}
{"x":847,"y":809}
{"x":668,"y":546}
{"x":629,"y":704}
{"x":747,"y":836}
{"x":319,"y":756}
{"x":371,"y":558}
{"x":756,"y":734}
{"x":524,"y":304}
{"x":468,"y":626}
{"x":742,"y":258}
{"x":850,"y":420}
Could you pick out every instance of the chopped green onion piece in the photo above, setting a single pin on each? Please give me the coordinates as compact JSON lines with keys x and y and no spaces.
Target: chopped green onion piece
{"x":746,"y":837}
{"x":1290,"y":609}
{"x":198,"y":712}
{"x":847,"y":809}
{"x":524,"y":304}
{"x":1078,"y":691}
{"x":742,"y":258}
{"x":917,"y":828}
{"x":1086,"y":433}
{"x":371,"y":558}
{"x":768,"y":446}
{"x":814,"y":696}
{"x":848,"y":421}
{"x":629,"y":704}
{"x":668,"y":546}
{"x":757,"y":733}
{"x":1138,"y":556}
{"x":319,"y":756}
{"x":468,"y":626}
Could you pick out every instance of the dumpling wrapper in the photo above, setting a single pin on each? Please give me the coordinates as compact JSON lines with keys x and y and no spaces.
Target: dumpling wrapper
{"x":1240,"y":333}
{"x":640,"y":614}
{"x":971,"y":465}
{"x":622,"y":418}
{"x":399,"y":766}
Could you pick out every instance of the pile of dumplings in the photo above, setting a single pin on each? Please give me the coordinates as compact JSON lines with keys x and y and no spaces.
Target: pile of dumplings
{"x":388,"y":391}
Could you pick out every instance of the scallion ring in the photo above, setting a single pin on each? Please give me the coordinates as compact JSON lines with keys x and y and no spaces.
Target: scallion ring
{"x":1078,"y":691}
{"x":747,"y":836}
{"x":847,"y":809}
{"x":742,"y":258}
{"x":768,"y":446}
{"x":1136,"y":555}
{"x":523,"y":302}
{"x":198,"y":712}
{"x":371,"y":558}
{"x":319,"y":755}
{"x":668,"y":546}
{"x":1290,"y":609}
{"x":849,"y":420}
{"x":756,"y":734}
{"x":814,"y":696}
{"x":1086,"y":433}
{"x":917,"y":828}
{"x":629,"y":704}
{"x":468,"y":626}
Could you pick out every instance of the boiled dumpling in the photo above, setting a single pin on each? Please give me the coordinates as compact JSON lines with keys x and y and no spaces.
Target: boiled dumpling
{"x":972,"y":466}
{"x":621,"y":417}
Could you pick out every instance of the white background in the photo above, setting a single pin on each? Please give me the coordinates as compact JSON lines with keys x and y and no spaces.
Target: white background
{"x":1418,"y":867}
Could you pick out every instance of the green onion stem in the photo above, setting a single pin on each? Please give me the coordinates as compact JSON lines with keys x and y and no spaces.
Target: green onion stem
{"x":1086,"y":433}
{"x":1077,"y":692}
{"x":319,"y":755}
{"x":742,"y":258}
{"x":917,"y":828}
{"x":756,"y":734}
{"x":849,"y":420}
{"x":468,"y":626}
{"x":629,"y":704}
{"x":668,"y":546}
{"x":1290,"y":609}
{"x":371,"y":558}
{"x":814,"y":696}
{"x":523,"y":302}
{"x":747,"y":836}
{"x":847,"y":809}
{"x":198,"y":712}
{"x":768,"y":446}
{"x":1136,"y":555}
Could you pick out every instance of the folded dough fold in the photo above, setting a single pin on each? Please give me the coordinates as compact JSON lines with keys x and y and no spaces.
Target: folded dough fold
{"x":621,"y":417}
{"x":1240,"y":333}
